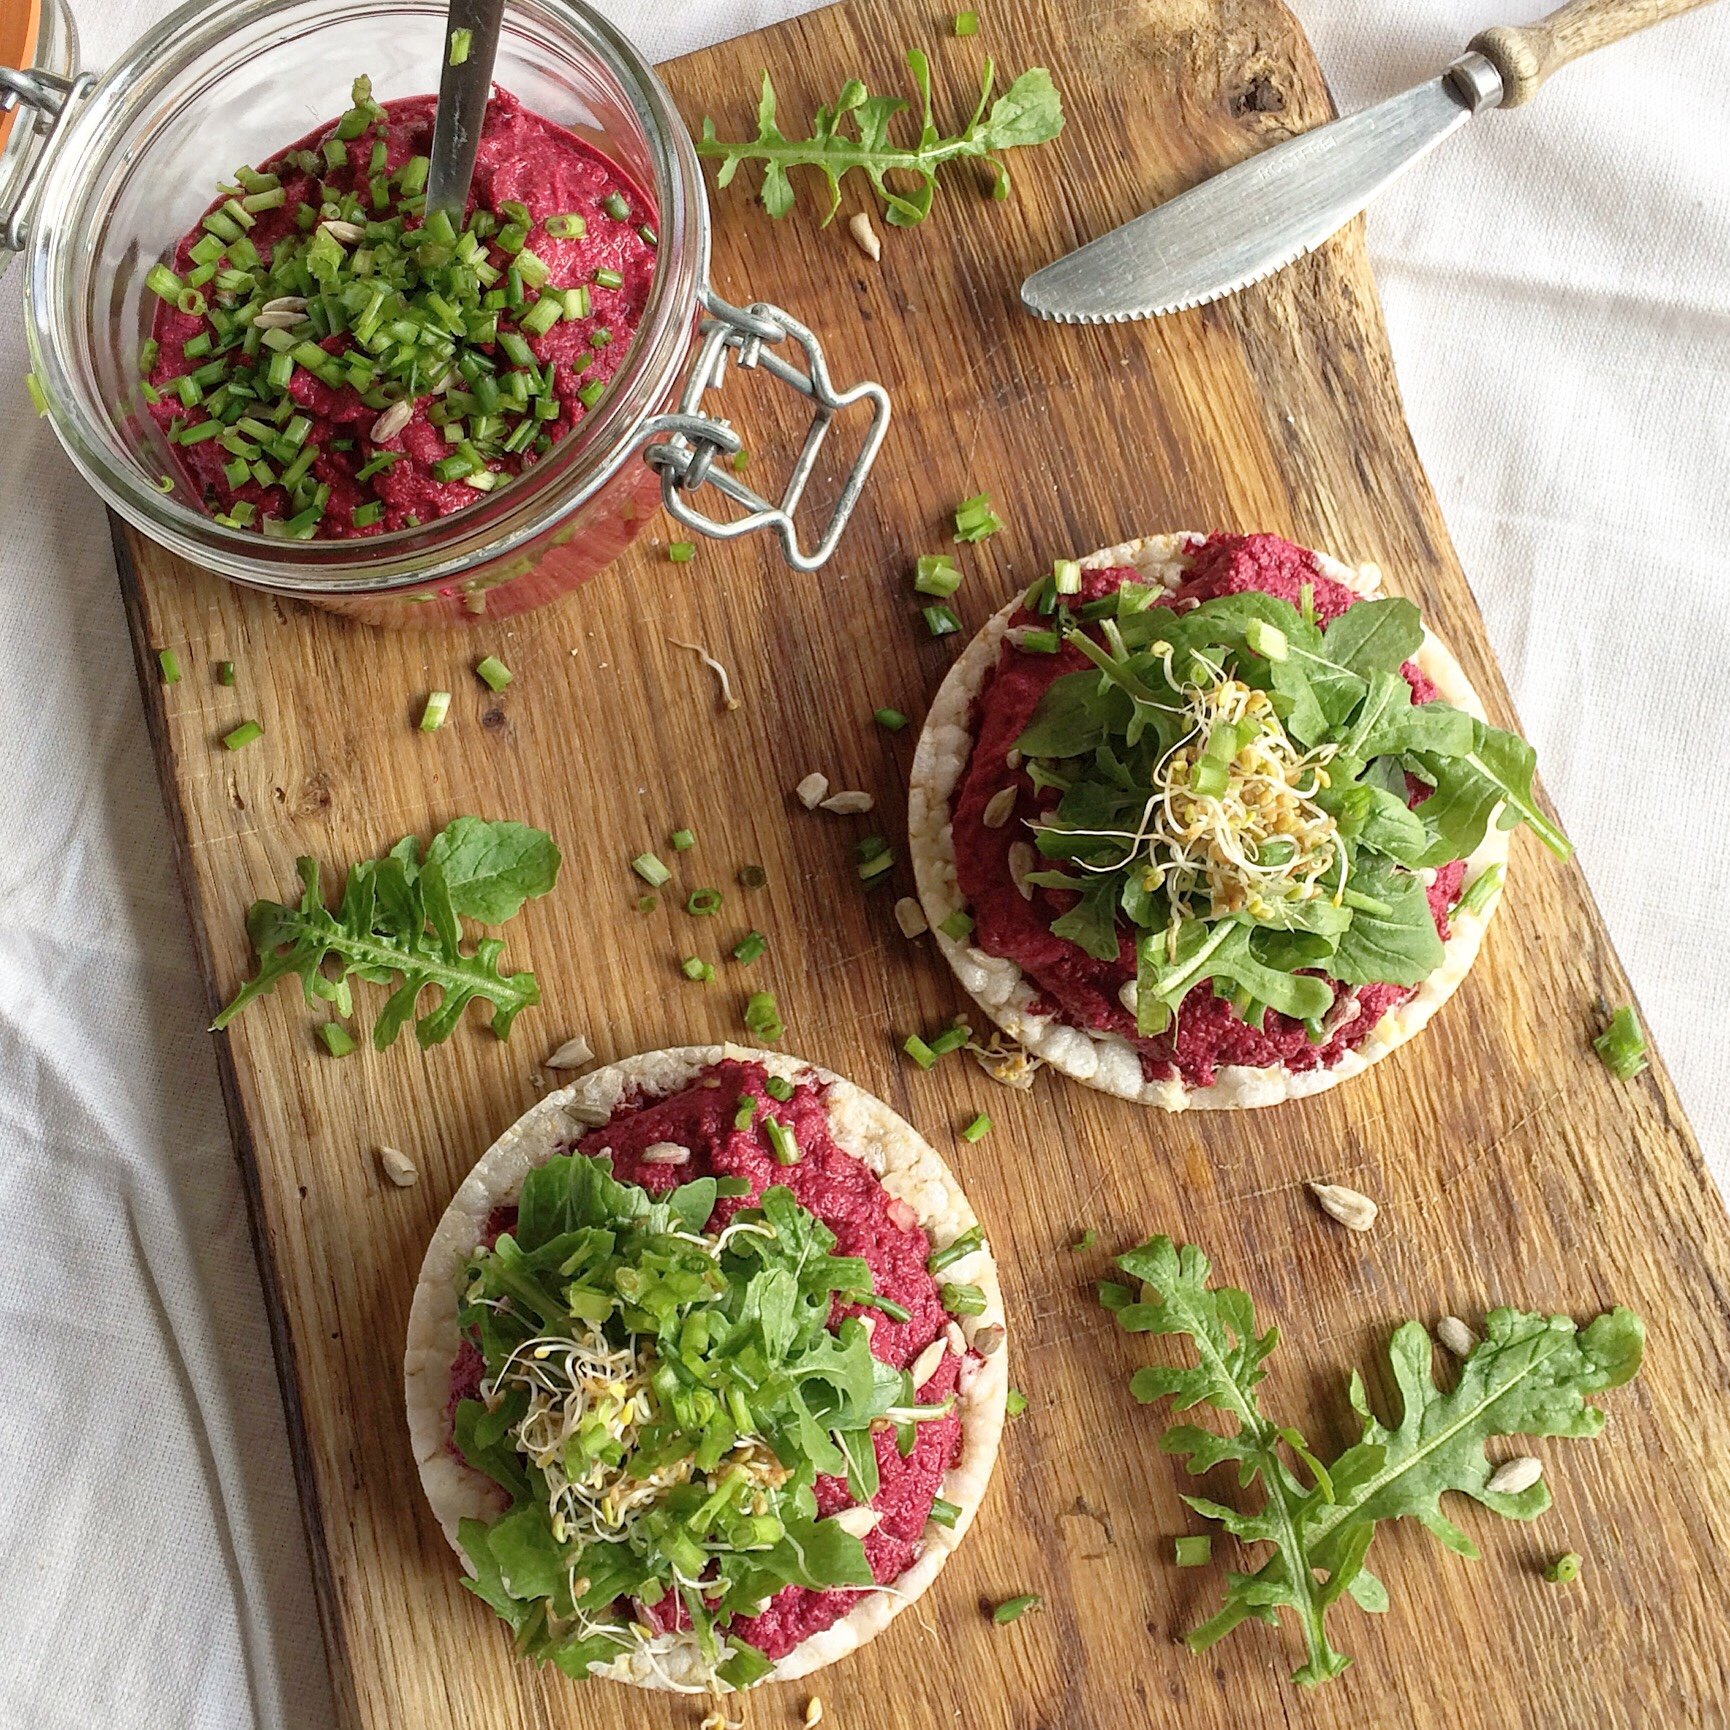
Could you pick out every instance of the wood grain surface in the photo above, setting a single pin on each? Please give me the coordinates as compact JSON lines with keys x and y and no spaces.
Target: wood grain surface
{"x":1510,"y":1166}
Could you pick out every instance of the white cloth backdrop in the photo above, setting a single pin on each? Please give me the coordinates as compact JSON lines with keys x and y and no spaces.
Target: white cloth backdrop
{"x":1557,"y":283}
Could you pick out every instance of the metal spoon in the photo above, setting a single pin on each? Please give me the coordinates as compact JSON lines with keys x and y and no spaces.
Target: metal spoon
{"x":471,"y":41}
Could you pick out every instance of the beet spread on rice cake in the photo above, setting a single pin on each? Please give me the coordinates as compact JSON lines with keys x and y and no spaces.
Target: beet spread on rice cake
{"x":707,"y":1355}
{"x":1205,"y":821}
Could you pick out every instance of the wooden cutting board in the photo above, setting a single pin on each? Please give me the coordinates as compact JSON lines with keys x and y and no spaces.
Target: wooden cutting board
{"x":1510,"y":1166}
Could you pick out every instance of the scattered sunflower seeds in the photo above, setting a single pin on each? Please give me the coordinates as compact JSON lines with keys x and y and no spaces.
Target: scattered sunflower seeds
{"x":397,"y":1166}
{"x":925,"y":1365}
{"x":910,"y":916}
{"x":857,"y":1522}
{"x":1354,"y":1211}
{"x":1456,"y":1336}
{"x":1000,"y":807}
{"x":847,"y":804}
{"x":1023,"y":861}
{"x":812,"y":791}
{"x":1515,"y":1475}
{"x":865,"y":236}
{"x":573,"y":1054}
{"x":665,"y":1153}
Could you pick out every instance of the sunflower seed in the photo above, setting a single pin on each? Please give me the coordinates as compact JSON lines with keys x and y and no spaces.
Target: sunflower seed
{"x":857,"y":1522}
{"x":865,"y":236}
{"x":988,"y":1339}
{"x":847,"y":804}
{"x":1000,"y":807}
{"x":397,"y":1166}
{"x":346,"y":232}
{"x":392,"y":421}
{"x":665,"y":1153}
{"x":1013,"y":759}
{"x":812,"y":791}
{"x":589,"y":1116}
{"x":573,"y":1054}
{"x":1022,"y":860}
{"x":285,"y":303}
{"x":1354,"y":1211}
{"x":1456,"y":1336}
{"x":925,"y":1365}
{"x":276,"y":320}
{"x":955,"y":1339}
{"x":910,"y":916}
{"x":1515,"y":1475}
{"x":813,"y":1713}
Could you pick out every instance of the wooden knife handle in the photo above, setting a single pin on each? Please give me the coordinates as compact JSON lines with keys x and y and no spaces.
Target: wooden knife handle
{"x":1526,"y":54}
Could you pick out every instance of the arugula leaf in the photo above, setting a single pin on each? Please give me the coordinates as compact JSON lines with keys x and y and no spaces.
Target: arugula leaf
{"x":399,"y":920}
{"x":1028,"y":112}
{"x":1076,"y":713}
{"x":1468,"y":788}
{"x":1398,"y":947}
{"x":1091,"y":924}
{"x":1377,"y":636}
{"x":1530,"y":1375}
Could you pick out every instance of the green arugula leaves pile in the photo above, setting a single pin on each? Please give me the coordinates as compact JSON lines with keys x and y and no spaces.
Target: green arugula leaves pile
{"x":1100,"y":735}
{"x":733,"y":1341}
{"x":399,"y":923}
{"x":1530,"y":1375}
{"x":1028,"y":112}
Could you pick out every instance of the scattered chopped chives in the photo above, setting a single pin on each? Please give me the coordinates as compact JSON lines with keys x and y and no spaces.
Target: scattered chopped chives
{"x":1564,"y":1570}
{"x":975,"y":519}
{"x":695,"y":968}
{"x":877,"y":863}
{"x":978,"y":1129}
{"x":739,"y":461}
{"x":919,"y":1051}
{"x":957,"y":927}
{"x":338,"y":1041}
{"x":753,"y":877}
{"x":683,"y":840}
{"x":885,"y":1306}
{"x":243,"y":735}
{"x":169,"y":662}
{"x":940,"y":621}
{"x":703,"y":903}
{"x":493,"y":673}
{"x":648,"y":903}
{"x":779,"y":1088}
{"x":567,"y":227}
{"x":955,"y":1250}
{"x":750,"y":947}
{"x":432,"y":717}
{"x":1193,"y":1552}
{"x":648,"y":236}
{"x":1621,"y":1045}
{"x":608,"y":279}
{"x":950,"y":1039}
{"x":1481,"y":889}
{"x":1086,"y":1241}
{"x":892,"y":719}
{"x":1014,"y":1403}
{"x":1038,"y":642}
{"x":1066,"y":576}
{"x":225,"y":672}
{"x":966,"y":23}
{"x":762,"y":1017}
{"x":681,"y":552}
{"x":934,"y":574}
{"x":944,"y":1513}
{"x":1011,"y":1608}
{"x":747,"y":1110}
{"x":650,"y":869}
{"x":961,"y":1299}
{"x":590,"y":394}
{"x":461,"y":42}
{"x":782,"y":1142}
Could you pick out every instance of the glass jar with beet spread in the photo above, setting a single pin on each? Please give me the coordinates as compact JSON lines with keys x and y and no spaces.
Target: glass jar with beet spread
{"x":127,"y":163}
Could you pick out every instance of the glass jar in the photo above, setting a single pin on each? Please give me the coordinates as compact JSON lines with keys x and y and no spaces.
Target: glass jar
{"x":125,"y":165}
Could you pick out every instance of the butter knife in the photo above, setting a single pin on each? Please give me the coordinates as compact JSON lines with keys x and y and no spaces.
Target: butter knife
{"x":1251,"y":219}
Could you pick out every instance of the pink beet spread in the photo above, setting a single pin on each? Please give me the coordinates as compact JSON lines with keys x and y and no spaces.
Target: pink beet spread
{"x":1071,"y":984}
{"x":521,"y":158}
{"x":867,"y":1222}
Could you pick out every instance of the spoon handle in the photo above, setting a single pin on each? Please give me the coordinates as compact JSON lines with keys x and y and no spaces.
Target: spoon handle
{"x":471,"y":41}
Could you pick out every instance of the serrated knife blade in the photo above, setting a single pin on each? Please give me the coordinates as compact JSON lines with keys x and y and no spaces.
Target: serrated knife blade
{"x":1247,"y":221}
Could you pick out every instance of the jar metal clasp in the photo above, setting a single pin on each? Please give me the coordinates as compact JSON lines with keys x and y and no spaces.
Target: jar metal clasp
{"x":687,"y":442}
{"x":50,"y":98}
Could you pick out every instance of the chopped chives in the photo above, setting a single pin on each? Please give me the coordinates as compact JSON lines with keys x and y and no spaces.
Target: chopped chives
{"x":892,"y":719}
{"x":919,"y":1051}
{"x":955,"y":1250}
{"x":1622,"y":1046}
{"x":975,"y":519}
{"x":650,"y":869}
{"x":169,"y":662}
{"x":1480,"y":891}
{"x":753,"y":877}
{"x":950,"y":1039}
{"x":567,"y":227}
{"x":935,"y":574}
{"x":681,"y":552}
{"x":461,"y":42}
{"x":1037,"y":642}
{"x":1193,"y":1552}
{"x":694,"y":968}
{"x":887,"y":1307}
{"x":957,"y":927}
{"x":762,"y":1017}
{"x":703,"y":903}
{"x":591,"y":394}
{"x":1011,"y":1608}
{"x":600,"y":336}
{"x":432,"y":717}
{"x":225,"y":672}
{"x":1066,"y":576}
{"x":779,"y":1088}
{"x":648,"y":236}
{"x":940,"y":621}
{"x":977,"y":1130}
{"x":493,"y":673}
{"x":782,"y":1142}
{"x":739,"y":461}
{"x":615,"y":206}
{"x":944,"y":1513}
{"x":1086,"y":1241}
{"x":608,"y":279}
{"x":1014,"y":1403}
{"x":750,"y":947}
{"x":1564,"y":1570}
{"x":338,"y":1041}
{"x":243,"y":735}
{"x":966,"y":23}
{"x":962,"y":1299}
{"x":683,"y":840}
{"x":746,"y":1110}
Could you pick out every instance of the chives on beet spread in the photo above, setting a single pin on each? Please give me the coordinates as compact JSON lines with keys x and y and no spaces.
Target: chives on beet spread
{"x":328,"y":360}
